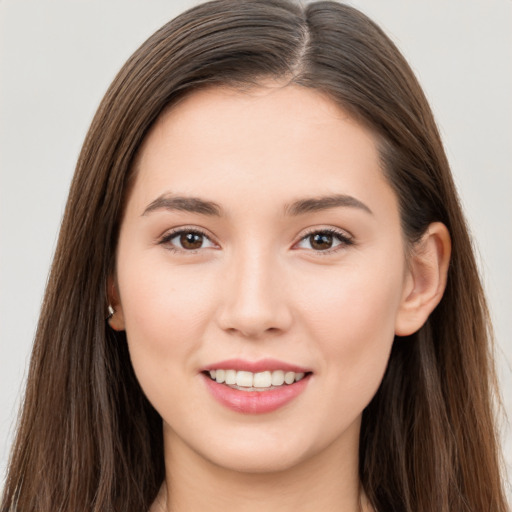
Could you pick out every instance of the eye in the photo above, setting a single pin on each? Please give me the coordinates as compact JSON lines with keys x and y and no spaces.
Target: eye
{"x":186,"y":240}
{"x":325,"y":240}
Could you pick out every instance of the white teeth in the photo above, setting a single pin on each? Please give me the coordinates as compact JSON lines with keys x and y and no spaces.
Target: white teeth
{"x":244,"y":379}
{"x":230,"y":377}
{"x":289,"y":377}
{"x":278,"y":378}
{"x":260,"y":380}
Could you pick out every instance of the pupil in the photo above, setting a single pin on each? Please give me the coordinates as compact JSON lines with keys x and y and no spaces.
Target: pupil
{"x":321,"y":241}
{"x":191,"y":240}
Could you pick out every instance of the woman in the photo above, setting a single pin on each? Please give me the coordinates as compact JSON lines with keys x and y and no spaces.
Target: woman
{"x":264,"y":215}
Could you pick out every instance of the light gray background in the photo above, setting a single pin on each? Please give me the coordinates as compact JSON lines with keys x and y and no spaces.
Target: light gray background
{"x":58,"y":57}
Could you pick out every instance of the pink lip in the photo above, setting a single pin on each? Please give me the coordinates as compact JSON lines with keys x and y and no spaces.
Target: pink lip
{"x":255,"y":366}
{"x":255,"y":402}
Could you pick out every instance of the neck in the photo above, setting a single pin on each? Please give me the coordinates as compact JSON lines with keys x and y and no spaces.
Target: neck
{"x":327,"y":481}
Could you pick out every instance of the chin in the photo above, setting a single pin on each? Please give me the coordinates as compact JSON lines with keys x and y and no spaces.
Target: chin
{"x":263,"y":453}
{"x":257,"y":461}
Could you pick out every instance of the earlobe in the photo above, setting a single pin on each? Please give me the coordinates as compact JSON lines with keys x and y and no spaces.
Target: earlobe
{"x":426,"y":279}
{"x":115,"y":316}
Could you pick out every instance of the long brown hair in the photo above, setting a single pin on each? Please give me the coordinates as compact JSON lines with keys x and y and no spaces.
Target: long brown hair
{"x":89,"y":440}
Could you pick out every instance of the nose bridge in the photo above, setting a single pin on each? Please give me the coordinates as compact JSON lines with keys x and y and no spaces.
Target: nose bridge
{"x":254,"y":302}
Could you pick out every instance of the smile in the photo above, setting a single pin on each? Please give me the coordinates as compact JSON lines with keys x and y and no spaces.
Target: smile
{"x":261,"y":381}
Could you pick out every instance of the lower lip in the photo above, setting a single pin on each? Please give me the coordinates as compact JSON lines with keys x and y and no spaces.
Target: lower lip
{"x":255,"y":402}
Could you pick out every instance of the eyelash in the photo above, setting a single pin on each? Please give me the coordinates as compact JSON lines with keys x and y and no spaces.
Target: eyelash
{"x":173,"y":234}
{"x":344,"y":239}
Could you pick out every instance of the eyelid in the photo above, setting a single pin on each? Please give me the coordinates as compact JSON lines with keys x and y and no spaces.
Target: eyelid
{"x":171,"y":233}
{"x":346,"y":239}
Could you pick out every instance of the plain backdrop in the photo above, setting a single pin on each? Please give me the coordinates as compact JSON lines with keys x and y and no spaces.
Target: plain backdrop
{"x":57,"y":57}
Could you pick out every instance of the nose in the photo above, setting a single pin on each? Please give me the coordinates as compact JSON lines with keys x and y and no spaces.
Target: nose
{"x":255,"y":302}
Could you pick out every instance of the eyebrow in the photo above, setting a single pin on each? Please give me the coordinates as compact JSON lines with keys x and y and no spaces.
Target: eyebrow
{"x":210,"y":208}
{"x":185,"y":204}
{"x":316,"y":204}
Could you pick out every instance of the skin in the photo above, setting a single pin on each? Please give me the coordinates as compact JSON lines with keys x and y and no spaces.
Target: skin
{"x":259,"y":287}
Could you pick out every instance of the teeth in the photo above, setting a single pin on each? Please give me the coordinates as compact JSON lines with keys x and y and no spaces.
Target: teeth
{"x":277,"y":378}
{"x":259,"y":380}
{"x":262,"y":380}
{"x":289,"y":377}
{"x":230,"y":377}
{"x":244,"y":379}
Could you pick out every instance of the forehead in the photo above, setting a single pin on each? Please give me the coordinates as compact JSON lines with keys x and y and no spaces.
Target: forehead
{"x":269,"y":144}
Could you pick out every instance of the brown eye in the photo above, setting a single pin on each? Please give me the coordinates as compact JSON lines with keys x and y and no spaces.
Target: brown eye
{"x":191,"y":240}
{"x":326,"y":241}
{"x":321,"y":241}
{"x":187,"y":240}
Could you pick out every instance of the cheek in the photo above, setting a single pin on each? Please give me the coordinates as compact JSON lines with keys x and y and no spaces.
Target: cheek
{"x":164,"y":312}
{"x":352,"y":319}
{"x":161,"y":304}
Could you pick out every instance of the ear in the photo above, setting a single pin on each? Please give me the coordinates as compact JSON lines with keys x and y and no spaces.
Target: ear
{"x":425,"y":280}
{"x":116,"y":319}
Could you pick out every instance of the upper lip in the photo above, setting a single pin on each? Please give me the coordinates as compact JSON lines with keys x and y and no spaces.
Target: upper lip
{"x":255,"y":366}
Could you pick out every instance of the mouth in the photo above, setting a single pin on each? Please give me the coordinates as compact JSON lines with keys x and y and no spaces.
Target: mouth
{"x":255,"y":382}
{"x":255,"y":387}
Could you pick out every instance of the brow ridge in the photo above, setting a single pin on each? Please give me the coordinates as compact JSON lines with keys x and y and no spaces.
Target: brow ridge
{"x":184,"y":203}
{"x":315,"y":204}
{"x":210,"y":208}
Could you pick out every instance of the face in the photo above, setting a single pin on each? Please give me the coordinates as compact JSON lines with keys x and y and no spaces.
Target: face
{"x":260,"y":241}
